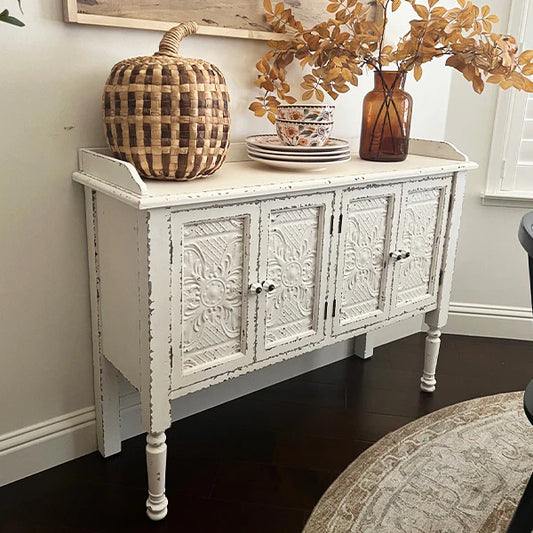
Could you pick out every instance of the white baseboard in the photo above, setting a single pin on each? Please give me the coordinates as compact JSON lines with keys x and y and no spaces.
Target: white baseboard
{"x":490,"y":321}
{"x":36,"y":448}
{"x":41,"y":446}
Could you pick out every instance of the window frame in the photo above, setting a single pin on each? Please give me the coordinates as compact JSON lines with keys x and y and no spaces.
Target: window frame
{"x":500,"y":185}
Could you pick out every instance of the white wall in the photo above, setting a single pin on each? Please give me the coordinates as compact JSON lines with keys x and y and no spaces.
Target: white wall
{"x":491,"y":268}
{"x":52,"y":77}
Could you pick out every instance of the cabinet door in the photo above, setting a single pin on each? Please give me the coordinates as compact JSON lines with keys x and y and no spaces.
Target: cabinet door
{"x":421,"y":232}
{"x":294,"y":254}
{"x":214,"y":314}
{"x":363,"y":281}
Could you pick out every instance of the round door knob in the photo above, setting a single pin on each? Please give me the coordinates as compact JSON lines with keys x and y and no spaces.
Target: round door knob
{"x":256,"y":288}
{"x":268,"y":285}
{"x":399,"y":255}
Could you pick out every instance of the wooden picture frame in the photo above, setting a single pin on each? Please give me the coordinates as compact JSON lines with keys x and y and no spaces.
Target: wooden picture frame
{"x":234,"y":24}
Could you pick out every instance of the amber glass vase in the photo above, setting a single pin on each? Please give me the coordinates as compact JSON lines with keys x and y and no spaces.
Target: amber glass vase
{"x":386,"y":119}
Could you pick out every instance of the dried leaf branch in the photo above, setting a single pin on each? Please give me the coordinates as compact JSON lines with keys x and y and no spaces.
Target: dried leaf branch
{"x":337,"y":50}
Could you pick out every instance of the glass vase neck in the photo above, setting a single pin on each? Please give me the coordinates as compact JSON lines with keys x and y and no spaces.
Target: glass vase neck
{"x":391,"y":79}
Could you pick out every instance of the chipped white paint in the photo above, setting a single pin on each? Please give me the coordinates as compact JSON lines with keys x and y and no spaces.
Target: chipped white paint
{"x":440,"y":149}
{"x":440,"y":315}
{"x":245,"y":179}
{"x":156,"y":458}
{"x":116,"y":173}
{"x":362,"y":287}
{"x":218,"y":277}
{"x":421,"y":232}
{"x":115,"y":279}
{"x":106,"y":397}
{"x":213,"y":313}
{"x":294,"y":256}
{"x":431,"y":354}
{"x":436,"y":319}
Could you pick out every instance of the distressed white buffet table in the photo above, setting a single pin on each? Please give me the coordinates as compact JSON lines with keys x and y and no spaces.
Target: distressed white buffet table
{"x":193,"y":283}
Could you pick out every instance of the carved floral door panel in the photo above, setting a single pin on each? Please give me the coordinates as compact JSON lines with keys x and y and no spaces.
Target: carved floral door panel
{"x":214,"y":257}
{"x":363,"y":281}
{"x":421,"y":232}
{"x":293,"y":259}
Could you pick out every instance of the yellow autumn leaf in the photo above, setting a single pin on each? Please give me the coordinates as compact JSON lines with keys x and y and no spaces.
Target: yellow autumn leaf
{"x":495,"y":79}
{"x":525,"y":57}
{"x":487,"y":26}
{"x":262,"y":66}
{"x":438,"y":11}
{"x":469,"y":72}
{"x":478,"y":84}
{"x":422,"y":11}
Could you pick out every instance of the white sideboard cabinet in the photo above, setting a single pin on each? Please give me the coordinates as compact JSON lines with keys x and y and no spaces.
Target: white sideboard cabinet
{"x":194,"y":283}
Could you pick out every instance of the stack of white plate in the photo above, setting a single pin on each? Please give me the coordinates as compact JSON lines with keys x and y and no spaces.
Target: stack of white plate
{"x":268,"y":149}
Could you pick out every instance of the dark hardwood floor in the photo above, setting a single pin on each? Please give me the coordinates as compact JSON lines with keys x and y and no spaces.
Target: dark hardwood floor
{"x":261,"y":463}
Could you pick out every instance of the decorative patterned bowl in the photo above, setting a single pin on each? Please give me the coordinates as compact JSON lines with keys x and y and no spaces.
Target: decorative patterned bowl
{"x":306,"y":113}
{"x":303,"y":133}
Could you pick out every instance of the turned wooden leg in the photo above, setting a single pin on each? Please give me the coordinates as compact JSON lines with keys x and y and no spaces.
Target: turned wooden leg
{"x":428,"y":381}
{"x":364,"y":346}
{"x":156,"y":459}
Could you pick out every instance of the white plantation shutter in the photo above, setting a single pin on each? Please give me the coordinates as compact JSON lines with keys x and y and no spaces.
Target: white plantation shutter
{"x":511,"y":163}
{"x":523,"y":179}
{"x":517,"y":163}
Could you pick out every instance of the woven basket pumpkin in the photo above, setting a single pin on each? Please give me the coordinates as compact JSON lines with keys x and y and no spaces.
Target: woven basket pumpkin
{"x":168,"y":115}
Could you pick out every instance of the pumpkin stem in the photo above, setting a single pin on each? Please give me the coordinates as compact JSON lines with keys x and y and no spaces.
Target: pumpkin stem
{"x":170,"y":43}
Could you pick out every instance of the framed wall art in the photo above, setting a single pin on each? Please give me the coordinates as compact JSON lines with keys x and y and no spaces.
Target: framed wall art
{"x":225,"y":18}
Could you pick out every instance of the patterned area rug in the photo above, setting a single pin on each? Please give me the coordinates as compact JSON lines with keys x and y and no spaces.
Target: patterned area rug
{"x":459,"y":470}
